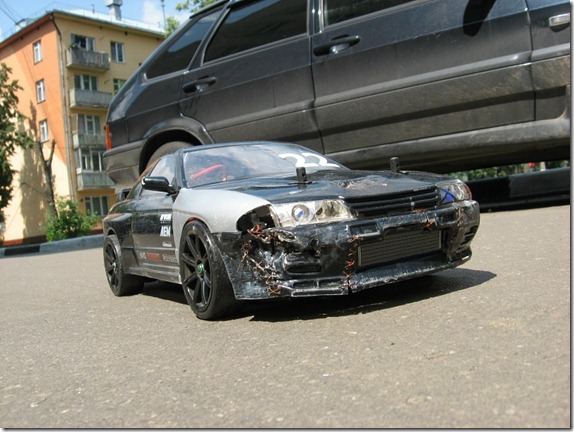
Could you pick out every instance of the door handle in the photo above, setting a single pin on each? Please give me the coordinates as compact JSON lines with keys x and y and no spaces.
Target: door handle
{"x":336,"y":45}
{"x":199,"y":85}
{"x":559,"y":20}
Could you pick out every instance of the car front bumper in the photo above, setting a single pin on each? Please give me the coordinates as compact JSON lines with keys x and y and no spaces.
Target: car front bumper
{"x":341,"y":258}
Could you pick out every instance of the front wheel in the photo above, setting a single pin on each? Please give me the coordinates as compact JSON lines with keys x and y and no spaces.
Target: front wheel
{"x":121,"y":284}
{"x":204,"y":278}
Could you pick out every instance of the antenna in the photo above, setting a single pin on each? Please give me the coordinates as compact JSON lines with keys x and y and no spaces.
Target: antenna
{"x":9,"y":12}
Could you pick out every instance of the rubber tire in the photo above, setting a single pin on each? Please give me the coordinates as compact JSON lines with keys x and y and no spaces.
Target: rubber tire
{"x":121,"y":283}
{"x":167,"y":148}
{"x":205,"y":282}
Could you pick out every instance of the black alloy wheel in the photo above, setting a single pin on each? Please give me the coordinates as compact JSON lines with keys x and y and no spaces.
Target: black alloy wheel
{"x":204,"y":278}
{"x":121,"y":284}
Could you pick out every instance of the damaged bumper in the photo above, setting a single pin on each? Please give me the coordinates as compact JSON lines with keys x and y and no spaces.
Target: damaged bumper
{"x":340,"y":258}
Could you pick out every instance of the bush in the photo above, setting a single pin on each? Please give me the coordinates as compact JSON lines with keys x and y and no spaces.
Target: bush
{"x":70,"y":223}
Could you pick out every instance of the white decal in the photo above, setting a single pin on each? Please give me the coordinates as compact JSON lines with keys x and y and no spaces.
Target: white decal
{"x":165,"y":231}
{"x":165,"y":217}
{"x":302,"y":160}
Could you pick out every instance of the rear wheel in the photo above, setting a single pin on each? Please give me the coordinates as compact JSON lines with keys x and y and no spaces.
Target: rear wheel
{"x":121,"y":284}
{"x":204,"y":278}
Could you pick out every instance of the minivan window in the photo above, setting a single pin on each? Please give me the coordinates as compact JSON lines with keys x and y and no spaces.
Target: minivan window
{"x":180,"y":53}
{"x":258,"y":23}
{"x":336,"y":11}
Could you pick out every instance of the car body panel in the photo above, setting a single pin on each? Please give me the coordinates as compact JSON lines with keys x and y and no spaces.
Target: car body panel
{"x":447,"y":85}
{"x":403,"y":225}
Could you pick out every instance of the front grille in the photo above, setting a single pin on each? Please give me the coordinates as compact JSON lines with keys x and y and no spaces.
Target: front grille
{"x":397,"y":245}
{"x":381,"y":205}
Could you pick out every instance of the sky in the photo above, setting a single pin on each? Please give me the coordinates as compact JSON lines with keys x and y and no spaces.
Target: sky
{"x":148,"y":11}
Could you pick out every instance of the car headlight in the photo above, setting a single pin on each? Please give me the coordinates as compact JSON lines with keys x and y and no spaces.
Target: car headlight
{"x":454,"y":190}
{"x":312,"y":212}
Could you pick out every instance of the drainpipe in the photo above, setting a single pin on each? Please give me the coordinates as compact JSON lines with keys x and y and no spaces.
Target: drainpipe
{"x":64,"y":93}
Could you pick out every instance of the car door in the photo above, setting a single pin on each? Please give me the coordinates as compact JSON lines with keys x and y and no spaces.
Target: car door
{"x":387,"y":71}
{"x":152,"y":225}
{"x":551,"y":36}
{"x":155,"y":99}
{"x":254,"y":79}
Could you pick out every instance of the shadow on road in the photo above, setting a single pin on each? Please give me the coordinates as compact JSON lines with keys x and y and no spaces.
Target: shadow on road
{"x":376,"y":299}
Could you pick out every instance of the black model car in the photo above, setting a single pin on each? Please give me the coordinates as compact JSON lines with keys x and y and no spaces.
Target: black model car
{"x":260,"y":220}
{"x":446,"y":85}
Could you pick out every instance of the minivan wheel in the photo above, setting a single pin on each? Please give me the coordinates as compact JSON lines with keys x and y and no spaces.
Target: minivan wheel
{"x":167,"y":148}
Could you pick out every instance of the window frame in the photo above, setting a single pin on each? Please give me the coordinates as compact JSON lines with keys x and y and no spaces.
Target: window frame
{"x":117,"y":84}
{"x":216,"y":13}
{"x":37,"y":51}
{"x":254,"y":48}
{"x":44,"y":130}
{"x":40,"y":91}
{"x":118,"y":52}
{"x":81,"y":78}
{"x":102,"y":202}
{"x":90,"y":42}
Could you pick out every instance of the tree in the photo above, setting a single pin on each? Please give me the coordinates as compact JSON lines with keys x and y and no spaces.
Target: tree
{"x":46,"y":163}
{"x":12,"y":133}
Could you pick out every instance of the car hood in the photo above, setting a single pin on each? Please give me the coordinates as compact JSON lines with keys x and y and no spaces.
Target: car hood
{"x":329,"y":184}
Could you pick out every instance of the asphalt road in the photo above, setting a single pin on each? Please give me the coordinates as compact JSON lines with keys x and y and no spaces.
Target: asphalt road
{"x":485,"y":345}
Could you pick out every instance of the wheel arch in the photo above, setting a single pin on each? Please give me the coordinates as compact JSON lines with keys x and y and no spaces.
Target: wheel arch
{"x":181,"y":129}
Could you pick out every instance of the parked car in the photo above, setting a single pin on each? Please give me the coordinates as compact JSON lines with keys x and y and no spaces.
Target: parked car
{"x":261,"y":220}
{"x":446,"y":85}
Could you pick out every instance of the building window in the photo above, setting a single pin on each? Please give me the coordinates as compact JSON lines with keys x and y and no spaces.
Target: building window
{"x":97,"y":205}
{"x":83,"y":42}
{"x":37,"y":47}
{"x":118,"y":54}
{"x":86,"y":82}
{"x":118,"y":84}
{"x":40,"y":91}
{"x":44,"y":134}
{"x":91,"y":160}
{"x":89,"y":124}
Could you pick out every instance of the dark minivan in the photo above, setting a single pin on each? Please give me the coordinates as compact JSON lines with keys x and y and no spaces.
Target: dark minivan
{"x":443,"y":84}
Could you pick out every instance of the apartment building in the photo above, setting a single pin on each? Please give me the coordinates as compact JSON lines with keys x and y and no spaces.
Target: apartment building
{"x":70,"y":64}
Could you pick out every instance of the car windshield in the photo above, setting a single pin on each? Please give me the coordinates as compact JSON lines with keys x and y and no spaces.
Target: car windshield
{"x":225,"y":163}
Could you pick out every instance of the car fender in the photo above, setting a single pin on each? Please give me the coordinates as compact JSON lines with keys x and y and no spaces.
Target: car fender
{"x":219,"y":210}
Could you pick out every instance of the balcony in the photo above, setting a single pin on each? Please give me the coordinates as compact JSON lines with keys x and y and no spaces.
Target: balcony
{"x":87,"y":60}
{"x":89,"y":99}
{"x":93,"y":180}
{"x":89,"y":140}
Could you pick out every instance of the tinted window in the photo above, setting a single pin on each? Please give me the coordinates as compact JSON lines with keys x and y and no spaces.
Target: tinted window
{"x":180,"y":53}
{"x":341,"y":10}
{"x":258,"y":23}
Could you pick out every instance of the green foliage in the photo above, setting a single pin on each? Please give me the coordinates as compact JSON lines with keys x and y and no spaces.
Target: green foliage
{"x":193,"y":5}
{"x":69,"y":223}
{"x":504,"y":171}
{"x":12,"y":133}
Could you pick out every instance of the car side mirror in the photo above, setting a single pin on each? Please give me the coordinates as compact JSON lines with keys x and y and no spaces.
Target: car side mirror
{"x":158,"y":184}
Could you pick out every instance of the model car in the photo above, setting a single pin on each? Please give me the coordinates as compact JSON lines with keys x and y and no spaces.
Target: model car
{"x":260,"y":220}
{"x":446,"y":85}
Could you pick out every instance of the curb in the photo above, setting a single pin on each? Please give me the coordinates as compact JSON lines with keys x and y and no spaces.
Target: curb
{"x":86,"y":242}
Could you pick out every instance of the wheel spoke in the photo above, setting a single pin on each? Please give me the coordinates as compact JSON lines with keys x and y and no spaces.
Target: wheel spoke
{"x":188,"y":261}
{"x":192,"y":246}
